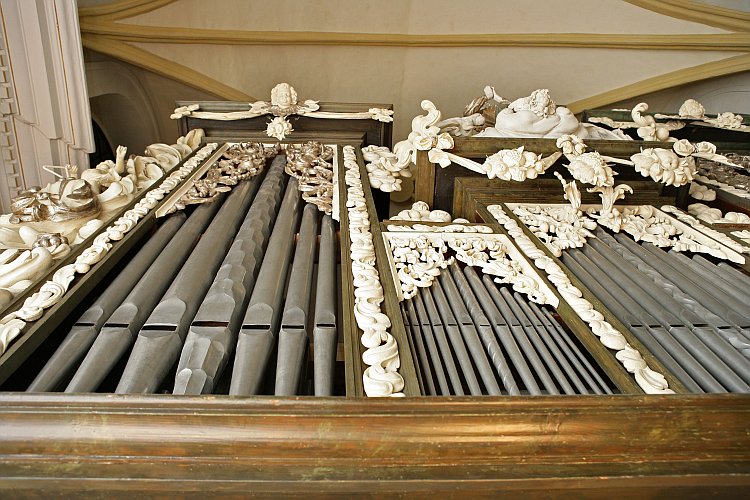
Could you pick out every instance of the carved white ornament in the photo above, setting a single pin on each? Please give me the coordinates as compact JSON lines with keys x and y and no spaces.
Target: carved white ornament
{"x":664,"y":166}
{"x":420,"y":211}
{"x":648,"y":128}
{"x":417,"y":259}
{"x":559,"y":227}
{"x":383,"y":168}
{"x":723,"y":246}
{"x":53,"y":290}
{"x":461,"y":226}
{"x":650,"y":381}
{"x":693,"y":110}
{"x":727,"y":120}
{"x":681,"y":233}
{"x":112,"y":183}
{"x":381,"y":378}
{"x":537,"y":115}
{"x":283,"y":103}
{"x":714,"y":215}
{"x":701,"y":192}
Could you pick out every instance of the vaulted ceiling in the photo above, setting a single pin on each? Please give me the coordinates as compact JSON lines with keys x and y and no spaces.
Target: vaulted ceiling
{"x":589,"y":53}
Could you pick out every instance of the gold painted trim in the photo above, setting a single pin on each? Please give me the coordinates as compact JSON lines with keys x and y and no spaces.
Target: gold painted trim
{"x":698,"y":12}
{"x":122,"y":9}
{"x":161,"y":34}
{"x":164,"y":67}
{"x":686,"y":75}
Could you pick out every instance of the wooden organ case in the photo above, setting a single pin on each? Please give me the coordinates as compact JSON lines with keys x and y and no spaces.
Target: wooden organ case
{"x":491,"y":430}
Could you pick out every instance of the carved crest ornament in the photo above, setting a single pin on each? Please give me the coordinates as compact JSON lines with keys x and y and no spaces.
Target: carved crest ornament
{"x":283,"y":104}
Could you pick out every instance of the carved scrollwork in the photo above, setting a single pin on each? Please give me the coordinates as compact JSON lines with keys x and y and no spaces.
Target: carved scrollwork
{"x":381,"y":378}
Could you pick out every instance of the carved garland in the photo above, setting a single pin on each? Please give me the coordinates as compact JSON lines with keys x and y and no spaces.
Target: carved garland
{"x":381,"y":378}
{"x":649,"y":380}
{"x":559,"y":227}
{"x":310,"y":164}
{"x":53,"y":290}
{"x":674,"y":167}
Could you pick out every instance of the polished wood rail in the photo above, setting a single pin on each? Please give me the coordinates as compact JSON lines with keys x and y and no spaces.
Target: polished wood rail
{"x":201,"y":446}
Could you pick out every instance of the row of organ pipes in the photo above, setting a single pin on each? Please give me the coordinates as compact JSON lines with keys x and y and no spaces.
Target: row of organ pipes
{"x":240,"y":296}
{"x":464,"y":325}
{"x":231,"y":284}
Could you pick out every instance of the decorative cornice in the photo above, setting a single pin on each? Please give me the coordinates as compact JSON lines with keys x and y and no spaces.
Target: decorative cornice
{"x":166,"y":34}
{"x":162,"y":66}
{"x":698,"y":12}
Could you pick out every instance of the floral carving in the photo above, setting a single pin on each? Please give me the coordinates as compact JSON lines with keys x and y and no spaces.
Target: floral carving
{"x":692,"y":109}
{"x":590,"y":168}
{"x":664,"y":166}
{"x":279,"y":128}
{"x":514,"y":164}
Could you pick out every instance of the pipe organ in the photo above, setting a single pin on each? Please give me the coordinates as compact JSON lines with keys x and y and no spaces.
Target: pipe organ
{"x":240,"y":315}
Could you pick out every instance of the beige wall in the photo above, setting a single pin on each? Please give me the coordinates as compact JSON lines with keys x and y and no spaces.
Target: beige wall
{"x":404,"y":75}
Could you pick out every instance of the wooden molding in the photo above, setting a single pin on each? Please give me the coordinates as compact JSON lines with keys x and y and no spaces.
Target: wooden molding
{"x":162,"y":445}
{"x":164,"y":67}
{"x":698,"y":12}
{"x":122,"y":9}
{"x":686,"y":75}
{"x":179,"y":35}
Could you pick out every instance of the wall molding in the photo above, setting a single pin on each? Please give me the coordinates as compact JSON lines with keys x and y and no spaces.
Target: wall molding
{"x":685,"y":75}
{"x":161,"y":66}
{"x":698,"y":12}
{"x":739,"y":42}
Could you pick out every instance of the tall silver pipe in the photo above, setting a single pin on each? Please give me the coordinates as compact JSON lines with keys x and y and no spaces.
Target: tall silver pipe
{"x":294,"y":336}
{"x":261,"y":321}
{"x":325,"y":332}
{"x":120,"y":329}
{"x":213,"y":333}
{"x":160,"y":340}
{"x":681,"y":321}
{"x":430,"y":342}
{"x":502,"y":330}
{"x":442,"y":341}
{"x":644,"y":326}
{"x":469,"y":333}
{"x":83,"y":333}
{"x":484,"y":328}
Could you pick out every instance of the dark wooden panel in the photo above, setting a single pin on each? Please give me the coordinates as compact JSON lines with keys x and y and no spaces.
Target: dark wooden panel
{"x":377,"y":133}
{"x":621,"y":445}
{"x":468,"y":190}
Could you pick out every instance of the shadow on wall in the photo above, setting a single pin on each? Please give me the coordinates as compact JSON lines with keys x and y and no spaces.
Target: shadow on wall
{"x":121,"y":106}
{"x":123,"y":122}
